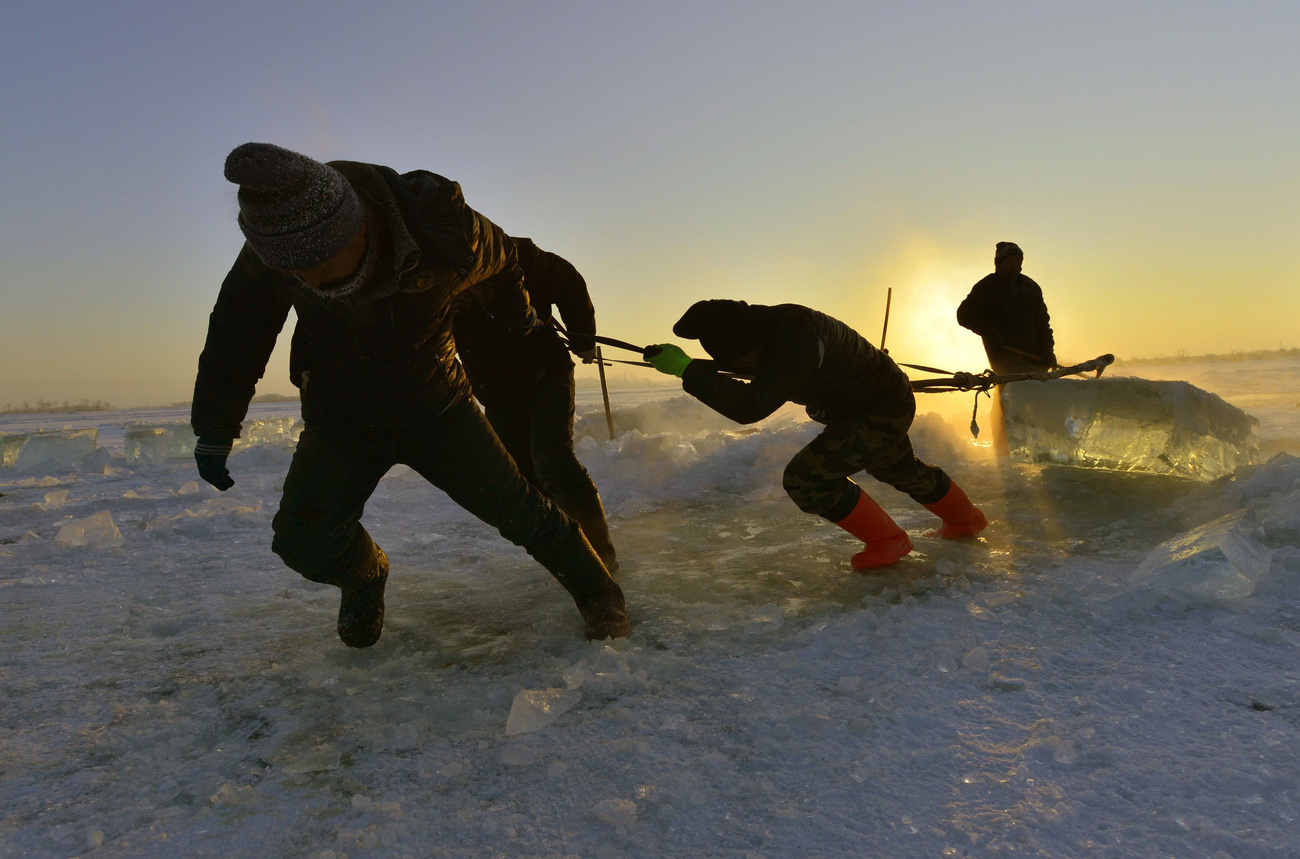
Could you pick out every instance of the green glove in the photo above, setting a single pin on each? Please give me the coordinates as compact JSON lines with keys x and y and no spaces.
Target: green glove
{"x":667,"y":358}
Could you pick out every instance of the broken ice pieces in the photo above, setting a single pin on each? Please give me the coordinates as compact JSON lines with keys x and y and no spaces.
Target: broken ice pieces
{"x":1125,"y":424}
{"x":273,"y":431}
{"x":46,"y":449}
{"x":616,"y":812}
{"x":95,"y":532}
{"x":534,"y":709}
{"x":156,"y":444}
{"x":1221,"y":560}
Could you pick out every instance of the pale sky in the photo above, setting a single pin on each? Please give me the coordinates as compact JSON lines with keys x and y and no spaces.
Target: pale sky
{"x":1144,"y":154}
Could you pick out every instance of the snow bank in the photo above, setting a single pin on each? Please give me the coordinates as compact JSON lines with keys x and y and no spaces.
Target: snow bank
{"x":1029,"y":692}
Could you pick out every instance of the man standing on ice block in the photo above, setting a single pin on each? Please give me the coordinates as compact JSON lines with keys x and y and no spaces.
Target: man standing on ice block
{"x":1006,"y":308}
{"x":371,"y":261}
{"x":795,"y":354}
{"x":526,"y":385}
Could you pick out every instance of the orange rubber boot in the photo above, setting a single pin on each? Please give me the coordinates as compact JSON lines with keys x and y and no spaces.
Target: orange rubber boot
{"x":960,"y":517}
{"x":884,"y":542}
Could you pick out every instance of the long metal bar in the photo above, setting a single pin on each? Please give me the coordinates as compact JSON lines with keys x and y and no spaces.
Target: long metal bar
{"x":889,"y":299}
{"x":604,"y":392}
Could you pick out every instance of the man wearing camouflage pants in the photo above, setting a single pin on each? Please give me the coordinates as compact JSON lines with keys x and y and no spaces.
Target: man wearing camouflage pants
{"x":795,"y":354}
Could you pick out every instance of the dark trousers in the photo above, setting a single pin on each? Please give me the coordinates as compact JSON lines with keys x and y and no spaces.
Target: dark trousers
{"x":817,"y":479}
{"x":318,"y":531}
{"x":536,"y":427}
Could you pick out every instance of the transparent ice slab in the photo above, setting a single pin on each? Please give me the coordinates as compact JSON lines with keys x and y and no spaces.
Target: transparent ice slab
{"x":10,"y":444}
{"x":47,"y":449}
{"x":1123,"y":424}
{"x":1221,"y":560}
{"x":155,"y":444}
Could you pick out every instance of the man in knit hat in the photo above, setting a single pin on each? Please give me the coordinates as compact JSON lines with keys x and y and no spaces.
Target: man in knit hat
{"x":371,"y":262}
{"x":791,"y":353}
{"x":1006,"y":308}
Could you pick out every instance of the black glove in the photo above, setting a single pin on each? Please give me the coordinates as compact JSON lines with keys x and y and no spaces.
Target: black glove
{"x":210,"y":455}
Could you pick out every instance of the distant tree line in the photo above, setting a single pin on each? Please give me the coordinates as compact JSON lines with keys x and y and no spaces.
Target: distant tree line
{"x":1183,"y":358}
{"x":48,"y":406}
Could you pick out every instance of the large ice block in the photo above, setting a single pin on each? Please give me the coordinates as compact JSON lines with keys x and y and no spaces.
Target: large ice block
{"x":1221,"y":560}
{"x":1126,"y":424}
{"x":155,"y":444}
{"x":48,"y":449}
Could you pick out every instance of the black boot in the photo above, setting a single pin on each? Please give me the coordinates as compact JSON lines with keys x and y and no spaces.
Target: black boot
{"x":584,"y":507}
{"x":576,"y":566}
{"x":361,"y":611}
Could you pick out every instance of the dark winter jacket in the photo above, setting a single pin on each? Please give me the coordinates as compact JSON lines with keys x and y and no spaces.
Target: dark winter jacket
{"x":503,"y":364}
{"x":811,"y":359}
{"x":1007,"y":310}
{"x":381,"y":358}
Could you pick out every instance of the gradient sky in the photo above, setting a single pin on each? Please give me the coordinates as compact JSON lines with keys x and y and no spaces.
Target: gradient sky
{"x":1144,"y":154}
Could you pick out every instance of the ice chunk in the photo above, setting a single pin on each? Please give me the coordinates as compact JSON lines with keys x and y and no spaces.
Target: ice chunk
{"x":1128,"y":424}
{"x":769,"y":618}
{"x":56,"y":499}
{"x":616,"y":812}
{"x":10,"y":444}
{"x":281,"y":432}
{"x":976,"y":660}
{"x":577,"y":674}
{"x":49,"y":449}
{"x":1282,"y":521}
{"x":1065,"y":753}
{"x":319,"y":759}
{"x":96,"y":532}
{"x":1221,"y":560}
{"x":155,"y":444}
{"x":534,"y":709}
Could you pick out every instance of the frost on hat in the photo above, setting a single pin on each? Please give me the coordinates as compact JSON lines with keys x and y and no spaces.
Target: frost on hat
{"x":295,"y":212}
{"x":726,"y":329}
{"x":1007,"y":249}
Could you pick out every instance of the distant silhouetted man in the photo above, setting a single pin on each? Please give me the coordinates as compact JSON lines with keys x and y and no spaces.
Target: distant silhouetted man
{"x":1007,"y":310}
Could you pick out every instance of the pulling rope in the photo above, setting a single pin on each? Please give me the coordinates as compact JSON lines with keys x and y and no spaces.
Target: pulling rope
{"x":982,"y":383}
{"x":988,"y":379}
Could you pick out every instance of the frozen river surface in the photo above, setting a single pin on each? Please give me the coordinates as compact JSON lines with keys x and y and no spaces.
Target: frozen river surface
{"x":172,"y":690}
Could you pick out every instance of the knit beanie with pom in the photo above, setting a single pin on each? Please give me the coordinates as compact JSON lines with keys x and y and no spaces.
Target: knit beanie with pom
{"x":295,"y":212}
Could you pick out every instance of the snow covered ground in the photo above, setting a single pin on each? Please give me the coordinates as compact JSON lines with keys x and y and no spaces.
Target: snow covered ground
{"x":171,"y":690}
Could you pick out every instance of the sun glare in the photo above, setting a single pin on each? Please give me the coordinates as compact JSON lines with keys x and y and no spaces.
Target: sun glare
{"x":927,"y":287}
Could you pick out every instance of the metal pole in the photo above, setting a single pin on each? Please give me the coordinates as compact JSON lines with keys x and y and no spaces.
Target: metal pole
{"x":604,"y":392}
{"x":889,"y":299}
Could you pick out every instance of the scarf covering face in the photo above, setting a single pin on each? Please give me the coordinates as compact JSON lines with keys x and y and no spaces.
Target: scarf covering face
{"x":376,"y":276}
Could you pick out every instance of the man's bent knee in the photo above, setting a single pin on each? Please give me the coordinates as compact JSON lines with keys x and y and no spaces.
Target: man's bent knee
{"x":329,"y":558}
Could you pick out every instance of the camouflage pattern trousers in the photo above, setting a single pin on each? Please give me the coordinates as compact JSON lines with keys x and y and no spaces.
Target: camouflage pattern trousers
{"x":817,"y":479}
